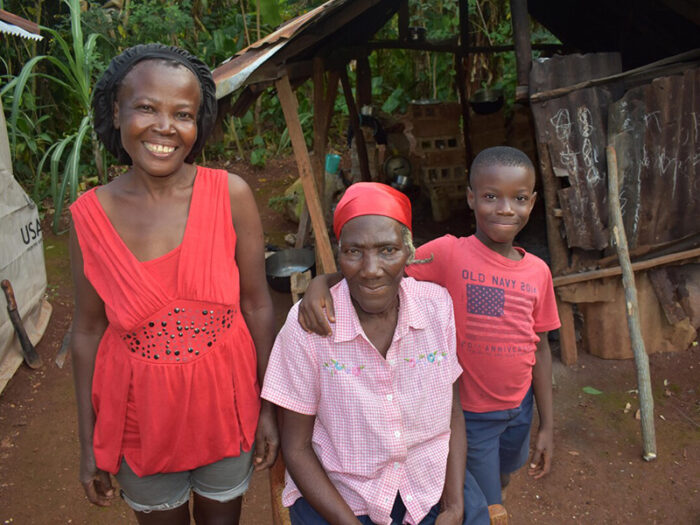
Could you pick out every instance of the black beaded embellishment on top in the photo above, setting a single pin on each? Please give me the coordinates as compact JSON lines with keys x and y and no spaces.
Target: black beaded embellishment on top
{"x":179,"y":334}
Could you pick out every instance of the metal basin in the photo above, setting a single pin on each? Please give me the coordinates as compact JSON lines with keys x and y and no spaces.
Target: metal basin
{"x":280,"y":266}
{"x":485,"y":101}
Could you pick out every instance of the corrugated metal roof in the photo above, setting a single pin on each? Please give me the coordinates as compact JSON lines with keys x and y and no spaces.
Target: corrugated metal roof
{"x":12,"y":24}
{"x":10,"y":29}
{"x":655,"y":129}
{"x":233,"y":73}
{"x":321,"y":32}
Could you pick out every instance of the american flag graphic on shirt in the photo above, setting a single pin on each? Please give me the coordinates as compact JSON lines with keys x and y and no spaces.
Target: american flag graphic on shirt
{"x":485,"y":300}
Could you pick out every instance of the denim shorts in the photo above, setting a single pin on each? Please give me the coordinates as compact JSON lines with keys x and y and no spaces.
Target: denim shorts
{"x":498,"y":443}
{"x":222,"y":481}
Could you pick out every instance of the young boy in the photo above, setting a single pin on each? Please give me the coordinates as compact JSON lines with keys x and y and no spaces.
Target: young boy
{"x":504,"y":306}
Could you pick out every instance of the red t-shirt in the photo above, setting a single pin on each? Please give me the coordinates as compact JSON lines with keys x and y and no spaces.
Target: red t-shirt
{"x":500,"y":306}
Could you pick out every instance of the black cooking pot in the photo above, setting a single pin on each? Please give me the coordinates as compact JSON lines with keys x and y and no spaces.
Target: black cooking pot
{"x":485,"y":101}
{"x":280,"y":266}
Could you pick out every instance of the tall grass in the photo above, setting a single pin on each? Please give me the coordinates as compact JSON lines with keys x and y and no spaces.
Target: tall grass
{"x":75,"y":68}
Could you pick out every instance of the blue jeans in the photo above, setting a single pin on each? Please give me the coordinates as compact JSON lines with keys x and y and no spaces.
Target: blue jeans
{"x":476,"y":511}
{"x":498,"y":443}
{"x":301,"y":513}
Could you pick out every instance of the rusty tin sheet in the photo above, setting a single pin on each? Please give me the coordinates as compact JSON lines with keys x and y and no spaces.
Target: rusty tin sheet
{"x":574,"y":129}
{"x":655,"y":129}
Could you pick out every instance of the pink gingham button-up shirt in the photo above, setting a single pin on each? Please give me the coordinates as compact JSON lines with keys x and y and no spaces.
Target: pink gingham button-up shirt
{"x":382,"y":425}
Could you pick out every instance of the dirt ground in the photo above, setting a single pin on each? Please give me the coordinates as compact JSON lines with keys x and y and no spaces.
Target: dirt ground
{"x":598,"y":474}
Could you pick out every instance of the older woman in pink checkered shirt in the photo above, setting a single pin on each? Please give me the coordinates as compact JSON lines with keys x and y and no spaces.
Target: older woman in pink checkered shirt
{"x":372,"y":427}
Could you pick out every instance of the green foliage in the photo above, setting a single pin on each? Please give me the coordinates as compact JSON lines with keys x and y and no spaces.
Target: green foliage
{"x":54,"y":77}
{"x":74,"y":72}
{"x":279,"y":203}
{"x":157,"y":21}
{"x":270,"y":12}
{"x":258,"y":157}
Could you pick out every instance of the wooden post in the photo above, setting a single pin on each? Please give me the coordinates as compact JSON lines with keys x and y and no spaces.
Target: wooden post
{"x":638,"y":266}
{"x":558,"y":251}
{"x":567,"y":333}
{"x":403,"y":21}
{"x":324,"y":100}
{"x":355,"y":124}
{"x":364,"y":82}
{"x":462,"y":77}
{"x":641,"y":359}
{"x":523,"y":47}
{"x":303,"y":228}
{"x":280,"y":514}
{"x":289,"y":105}
{"x":319,"y":119}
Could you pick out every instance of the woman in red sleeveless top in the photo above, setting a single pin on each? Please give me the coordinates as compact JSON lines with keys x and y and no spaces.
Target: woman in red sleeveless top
{"x":173,"y":321}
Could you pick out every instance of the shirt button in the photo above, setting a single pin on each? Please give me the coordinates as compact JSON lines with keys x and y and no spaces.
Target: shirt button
{"x":409,"y":498}
{"x":397,"y":464}
{"x":386,"y":500}
{"x":390,"y":397}
{"x":392,"y":362}
{"x":397,"y":434}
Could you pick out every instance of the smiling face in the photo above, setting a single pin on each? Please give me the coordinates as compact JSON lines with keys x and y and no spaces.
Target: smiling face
{"x":372,"y":257}
{"x":156,"y":114}
{"x":502,"y":198}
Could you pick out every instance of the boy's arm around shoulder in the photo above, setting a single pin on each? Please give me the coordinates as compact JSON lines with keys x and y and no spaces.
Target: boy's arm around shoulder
{"x":316,"y":309}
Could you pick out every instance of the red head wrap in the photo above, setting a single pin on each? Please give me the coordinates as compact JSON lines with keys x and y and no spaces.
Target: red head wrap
{"x":371,"y":198}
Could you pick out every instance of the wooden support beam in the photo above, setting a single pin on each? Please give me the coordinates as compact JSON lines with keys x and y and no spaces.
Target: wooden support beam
{"x":439,"y":46}
{"x":355,"y":124}
{"x":523,"y":47}
{"x":403,"y":21}
{"x":323,"y":108}
{"x":289,"y":104}
{"x":558,"y":250}
{"x":303,"y":229}
{"x":319,"y":120}
{"x":567,"y":333}
{"x":280,"y":513}
{"x":563,"y":280}
{"x":641,"y":359}
{"x":464,"y":27}
{"x":462,"y":78}
{"x":364,"y":82}
{"x":331,"y":93}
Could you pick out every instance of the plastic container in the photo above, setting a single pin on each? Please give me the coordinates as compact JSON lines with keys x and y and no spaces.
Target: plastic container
{"x":332,"y":163}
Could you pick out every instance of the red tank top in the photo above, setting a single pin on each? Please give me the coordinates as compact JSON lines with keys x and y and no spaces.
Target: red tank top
{"x":175,"y":384}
